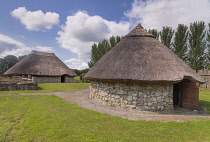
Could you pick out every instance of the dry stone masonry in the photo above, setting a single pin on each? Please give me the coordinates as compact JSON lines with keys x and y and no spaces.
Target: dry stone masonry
{"x":141,"y":96}
{"x":13,"y":87}
{"x":51,"y":79}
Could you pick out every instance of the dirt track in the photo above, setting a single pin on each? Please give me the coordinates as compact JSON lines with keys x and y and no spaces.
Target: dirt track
{"x":81,"y":98}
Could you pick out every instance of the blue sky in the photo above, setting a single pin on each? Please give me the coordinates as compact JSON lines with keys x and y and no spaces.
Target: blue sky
{"x":68,"y":28}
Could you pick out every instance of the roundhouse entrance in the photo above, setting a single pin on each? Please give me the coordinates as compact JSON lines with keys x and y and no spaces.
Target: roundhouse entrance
{"x":63,"y":78}
{"x":176,"y":94}
{"x":186,"y":94}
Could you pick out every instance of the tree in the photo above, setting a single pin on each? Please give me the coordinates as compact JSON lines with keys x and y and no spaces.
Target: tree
{"x":154,"y":32}
{"x":2,"y":66}
{"x":112,"y":41}
{"x":94,"y":55}
{"x":208,"y":47}
{"x":21,"y":57}
{"x":166,"y":36}
{"x":98,"y":50}
{"x":180,"y":42}
{"x":10,"y":61}
{"x":7,"y":62}
{"x":103,"y":47}
{"x":80,"y":72}
{"x":197,"y":45}
{"x":118,"y":38}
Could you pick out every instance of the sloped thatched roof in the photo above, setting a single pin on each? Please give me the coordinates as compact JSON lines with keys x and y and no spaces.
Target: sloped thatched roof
{"x":40,"y":63}
{"x":141,"y":57}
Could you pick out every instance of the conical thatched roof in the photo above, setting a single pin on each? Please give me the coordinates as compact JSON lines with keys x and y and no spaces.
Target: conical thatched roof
{"x":40,"y":63}
{"x":141,"y":57}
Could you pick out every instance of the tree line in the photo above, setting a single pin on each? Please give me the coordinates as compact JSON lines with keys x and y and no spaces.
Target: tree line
{"x":98,"y":50}
{"x":8,"y":61}
{"x":191,"y":44}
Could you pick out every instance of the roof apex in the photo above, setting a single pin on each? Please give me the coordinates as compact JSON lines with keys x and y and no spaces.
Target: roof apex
{"x":42,"y":53}
{"x":139,"y":31}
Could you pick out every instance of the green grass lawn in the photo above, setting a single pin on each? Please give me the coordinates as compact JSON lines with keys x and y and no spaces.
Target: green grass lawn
{"x":77,"y":78}
{"x":49,"y":118}
{"x":51,"y":87}
{"x":205,"y":97}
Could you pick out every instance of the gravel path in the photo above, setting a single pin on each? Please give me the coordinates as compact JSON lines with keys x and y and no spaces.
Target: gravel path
{"x":81,"y":98}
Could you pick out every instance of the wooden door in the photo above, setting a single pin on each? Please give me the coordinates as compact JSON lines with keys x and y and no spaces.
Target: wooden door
{"x":190,"y":94}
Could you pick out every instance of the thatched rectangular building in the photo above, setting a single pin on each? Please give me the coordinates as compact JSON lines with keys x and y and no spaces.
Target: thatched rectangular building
{"x":205,"y":74}
{"x":42,"y":67}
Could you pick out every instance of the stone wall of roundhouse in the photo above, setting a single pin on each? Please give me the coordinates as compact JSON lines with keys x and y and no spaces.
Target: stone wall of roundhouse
{"x":46,"y":79}
{"x":70,"y":79}
{"x":142,"y":96}
{"x":51,"y":79}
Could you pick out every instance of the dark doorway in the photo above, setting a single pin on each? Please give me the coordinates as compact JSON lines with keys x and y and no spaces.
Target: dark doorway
{"x":176,"y":94}
{"x":63,"y":78}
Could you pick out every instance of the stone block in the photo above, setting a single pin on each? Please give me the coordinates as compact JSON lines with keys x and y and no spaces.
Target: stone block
{"x":135,"y":94}
{"x":159,"y":99}
{"x":149,"y":104}
{"x":134,"y":103}
{"x":120,"y":92}
{"x":135,"y":98}
{"x":131,"y":106}
{"x":117,"y":96}
{"x":130,"y":98}
{"x":140,"y":93}
{"x":122,"y":105}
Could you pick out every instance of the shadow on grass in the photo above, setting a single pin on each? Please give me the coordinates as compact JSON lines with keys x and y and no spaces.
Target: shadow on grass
{"x":204,"y":110}
{"x":40,"y":88}
{"x":205,"y":104}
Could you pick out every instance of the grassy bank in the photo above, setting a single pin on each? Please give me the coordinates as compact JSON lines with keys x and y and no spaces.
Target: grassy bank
{"x":205,"y":98}
{"x":51,"y":87}
{"x":49,"y":119}
{"x":77,"y":78}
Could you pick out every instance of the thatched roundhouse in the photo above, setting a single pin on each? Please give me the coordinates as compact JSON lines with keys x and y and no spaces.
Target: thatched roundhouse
{"x":42,"y":67}
{"x":141,"y":72}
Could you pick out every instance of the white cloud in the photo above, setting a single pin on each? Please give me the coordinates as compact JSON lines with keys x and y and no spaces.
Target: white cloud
{"x":82,"y":30}
{"x":76,"y":64}
{"x":44,"y":48}
{"x":158,"y":13}
{"x":36,"y":20}
{"x":10,"y":46}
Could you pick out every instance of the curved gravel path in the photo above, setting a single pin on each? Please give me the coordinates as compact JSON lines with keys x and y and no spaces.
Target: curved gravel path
{"x":81,"y":98}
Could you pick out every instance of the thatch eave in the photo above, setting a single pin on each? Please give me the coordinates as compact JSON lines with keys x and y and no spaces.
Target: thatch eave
{"x":144,"y":81}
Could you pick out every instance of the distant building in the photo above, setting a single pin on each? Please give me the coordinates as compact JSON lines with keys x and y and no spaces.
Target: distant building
{"x":42,"y":67}
{"x":205,"y":74}
{"x":141,"y":72}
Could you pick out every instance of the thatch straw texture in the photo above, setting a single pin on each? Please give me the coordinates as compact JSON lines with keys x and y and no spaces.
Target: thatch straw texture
{"x":40,"y":63}
{"x":141,"y":57}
